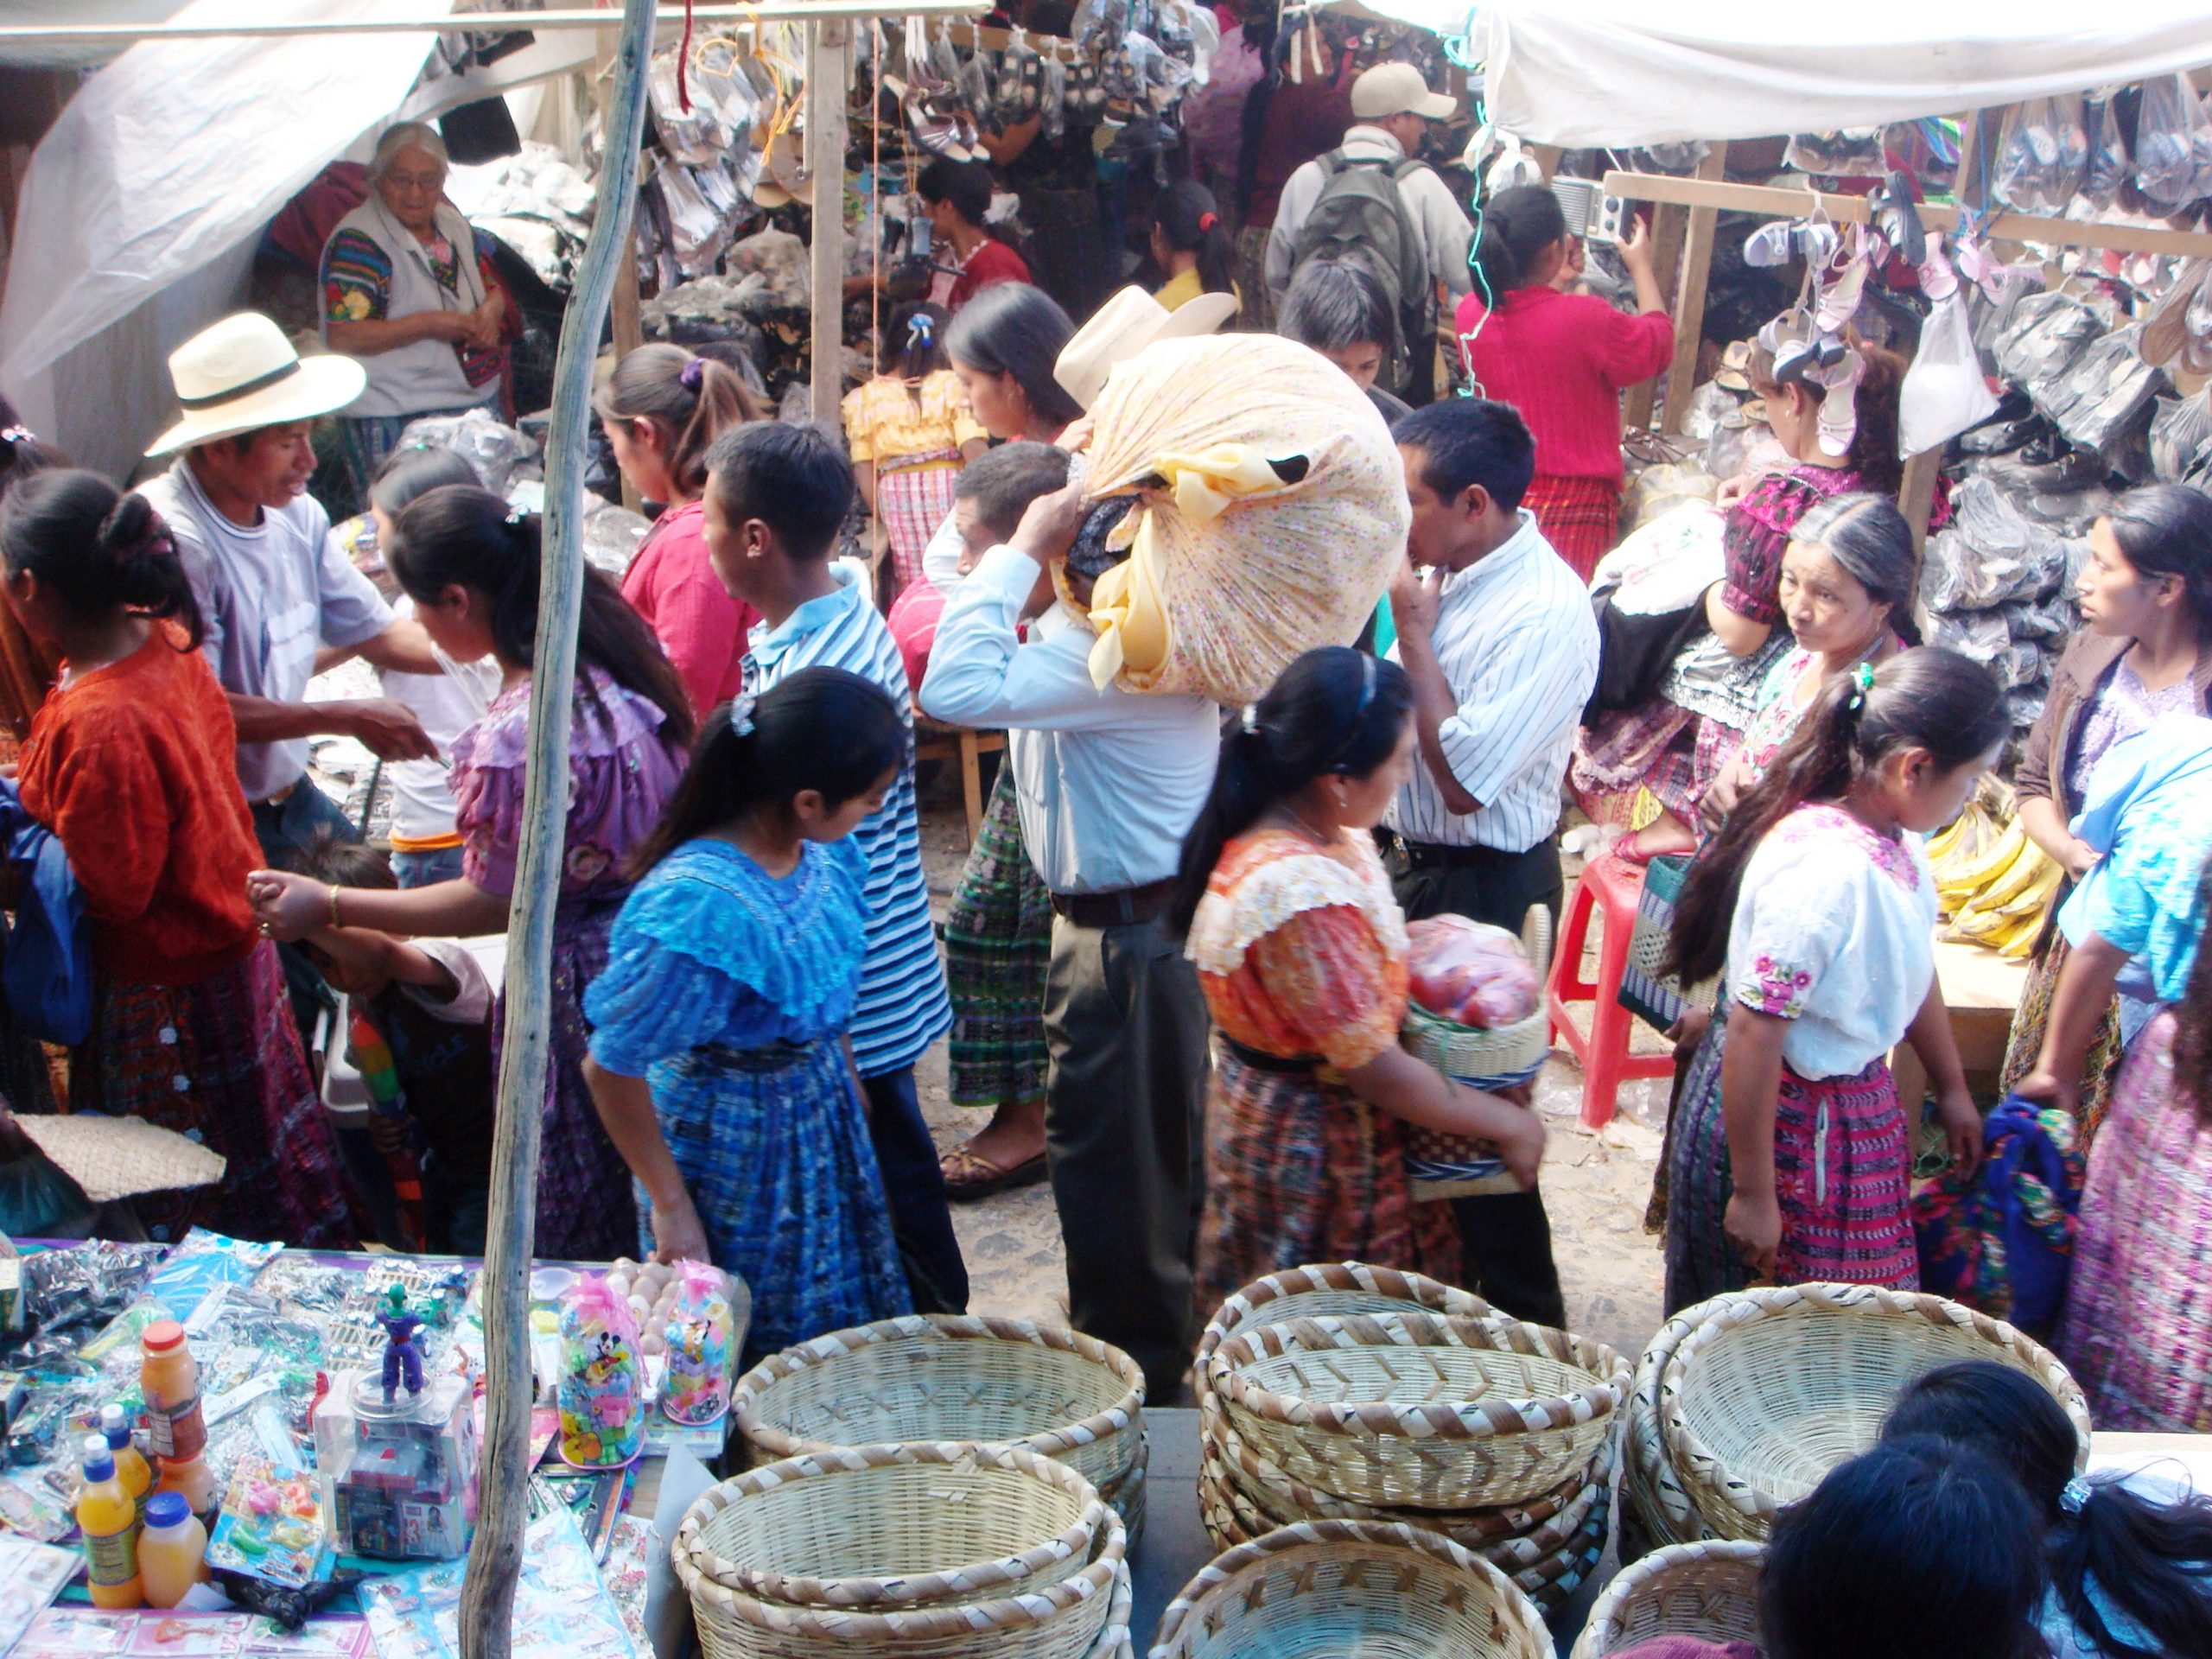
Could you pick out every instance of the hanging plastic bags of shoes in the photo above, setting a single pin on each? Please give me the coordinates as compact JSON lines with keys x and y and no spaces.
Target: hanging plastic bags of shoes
{"x":1053,"y":111}
{"x":2172,"y":141}
{"x":2042,"y":153}
{"x":2108,"y":161}
{"x":1853,"y":153}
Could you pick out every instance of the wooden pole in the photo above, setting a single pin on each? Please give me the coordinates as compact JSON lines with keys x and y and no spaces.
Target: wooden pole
{"x":1690,"y":294}
{"x":1669,"y":226}
{"x":629,"y":326}
{"x":829,"y":47}
{"x":488,"y":1593}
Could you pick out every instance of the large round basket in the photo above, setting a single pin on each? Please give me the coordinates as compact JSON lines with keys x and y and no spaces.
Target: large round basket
{"x":1329,"y":1288}
{"x":1709,"y":1590}
{"x":1066,"y":1620}
{"x":1779,"y":1385}
{"x":1653,"y":1502}
{"x":1503,"y":1056}
{"x":1414,"y":1411}
{"x":884,"y":1527}
{"x":941,"y":1378}
{"x":1326,"y":1589}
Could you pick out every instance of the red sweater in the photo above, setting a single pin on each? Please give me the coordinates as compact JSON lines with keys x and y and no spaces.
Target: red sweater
{"x":132,"y":767}
{"x":1563,"y":360}
{"x":672,"y":584}
{"x":992,"y":262}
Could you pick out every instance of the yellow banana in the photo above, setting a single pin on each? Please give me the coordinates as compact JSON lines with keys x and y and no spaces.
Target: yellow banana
{"x":1976,"y":873}
{"x":2025,"y":870}
{"x":2023,"y":940}
{"x":2030,"y":900}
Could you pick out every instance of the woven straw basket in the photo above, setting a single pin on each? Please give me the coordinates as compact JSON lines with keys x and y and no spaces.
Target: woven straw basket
{"x":939,"y":1377}
{"x":1654,"y":1503}
{"x":884,"y":1527}
{"x":1067,"y":1618}
{"x":1710,"y":1590}
{"x":1454,"y":1165}
{"x":1777,"y":1386}
{"x":1325,"y":1589}
{"x":1415,"y":1411}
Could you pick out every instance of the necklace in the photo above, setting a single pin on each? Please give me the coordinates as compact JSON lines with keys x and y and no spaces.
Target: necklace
{"x":1299,"y":819}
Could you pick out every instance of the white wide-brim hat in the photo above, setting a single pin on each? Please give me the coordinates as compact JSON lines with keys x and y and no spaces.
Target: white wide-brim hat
{"x":241,"y":374}
{"x":1124,"y":326}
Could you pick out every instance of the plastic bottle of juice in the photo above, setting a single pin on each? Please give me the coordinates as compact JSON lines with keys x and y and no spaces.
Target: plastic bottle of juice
{"x":110,"y":1521}
{"x":172,"y":1551}
{"x":168,"y":1378}
{"x":130,"y":1466}
{"x":190,"y":1479}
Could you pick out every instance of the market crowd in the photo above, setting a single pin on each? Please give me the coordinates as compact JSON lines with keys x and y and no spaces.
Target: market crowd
{"x":1175,"y":967}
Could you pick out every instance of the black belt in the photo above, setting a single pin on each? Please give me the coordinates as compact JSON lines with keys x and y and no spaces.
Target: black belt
{"x":1124,"y":907}
{"x":1260,"y":1060}
{"x":1434,"y":855}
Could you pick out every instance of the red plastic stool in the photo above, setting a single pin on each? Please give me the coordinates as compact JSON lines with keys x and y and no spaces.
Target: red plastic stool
{"x":1606,"y":1062}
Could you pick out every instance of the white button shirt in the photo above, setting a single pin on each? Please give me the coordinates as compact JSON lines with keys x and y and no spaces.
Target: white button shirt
{"x":1108,"y":781}
{"x":1518,"y":645}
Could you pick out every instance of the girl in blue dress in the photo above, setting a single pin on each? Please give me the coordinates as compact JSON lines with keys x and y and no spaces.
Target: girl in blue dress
{"x":718,"y":1058}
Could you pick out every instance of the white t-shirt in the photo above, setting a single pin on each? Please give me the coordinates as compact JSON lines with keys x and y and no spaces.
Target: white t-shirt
{"x":1834,"y":932}
{"x":447,"y":704}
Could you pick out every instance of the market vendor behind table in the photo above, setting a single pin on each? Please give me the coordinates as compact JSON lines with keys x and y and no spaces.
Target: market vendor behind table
{"x":408,"y":288}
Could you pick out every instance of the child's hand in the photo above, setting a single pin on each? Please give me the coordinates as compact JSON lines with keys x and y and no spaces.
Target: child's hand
{"x":386,"y":1134}
{"x":1961,"y":1121}
{"x":1754,"y":1227}
{"x":677,"y":1235}
{"x":1523,"y":1149}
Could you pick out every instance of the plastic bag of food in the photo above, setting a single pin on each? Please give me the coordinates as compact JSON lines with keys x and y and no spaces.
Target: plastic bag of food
{"x":1470,"y":972}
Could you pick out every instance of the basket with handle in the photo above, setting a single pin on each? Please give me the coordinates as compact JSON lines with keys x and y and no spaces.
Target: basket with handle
{"x":946,"y":1377}
{"x":1350,"y":1586}
{"x":1708,"y":1590}
{"x":1414,"y":1411}
{"x":884,"y":1527}
{"x":1778,"y":1385}
{"x":1453,"y":1165}
{"x":1064,"y":1619}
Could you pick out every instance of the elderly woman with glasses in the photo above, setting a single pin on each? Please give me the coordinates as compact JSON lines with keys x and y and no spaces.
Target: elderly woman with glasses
{"x":408,"y":288}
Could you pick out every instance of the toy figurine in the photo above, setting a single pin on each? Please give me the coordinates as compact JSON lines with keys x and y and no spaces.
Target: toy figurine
{"x":401,"y":1357}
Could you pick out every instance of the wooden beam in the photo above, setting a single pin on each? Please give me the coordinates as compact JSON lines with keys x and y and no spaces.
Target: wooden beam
{"x":475,"y":22}
{"x":487,"y":1595}
{"x":827,"y":55}
{"x":1779,"y":203}
{"x":1669,"y":226}
{"x":1916,"y":494}
{"x":1689,"y":291}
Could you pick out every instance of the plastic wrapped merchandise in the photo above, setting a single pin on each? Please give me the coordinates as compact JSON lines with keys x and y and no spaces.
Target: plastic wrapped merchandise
{"x":2105,"y":396}
{"x":1854,"y":152}
{"x":2181,"y":436}
{"x":2019,"y":665}
{"x":2173,"y":144}
{"x":1955,"y":575}
{"x":719,"y":119}
{"x":1981,"y":635}
{"x":2108,"y":161}
{"x":2044,"y":337}
{"x":2048,"y":622}
{"x":2042,"y":154}
{"x":779,"y":258}
{"x":495,"y":451}
{"x":612,"y":535}
{"x":2027,"y":703}
{"x":1657,"y":491}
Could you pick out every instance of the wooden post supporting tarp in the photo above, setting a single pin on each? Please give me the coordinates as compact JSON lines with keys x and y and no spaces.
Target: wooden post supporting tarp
{"x":828,"y":50}
{"x":488,"y":1593}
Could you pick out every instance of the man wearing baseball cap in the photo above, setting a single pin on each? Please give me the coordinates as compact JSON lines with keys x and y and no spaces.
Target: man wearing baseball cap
{"x":1391,"y":108}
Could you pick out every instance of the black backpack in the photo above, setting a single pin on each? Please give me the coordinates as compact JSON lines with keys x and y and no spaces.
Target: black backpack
{"x":1360,"y":209}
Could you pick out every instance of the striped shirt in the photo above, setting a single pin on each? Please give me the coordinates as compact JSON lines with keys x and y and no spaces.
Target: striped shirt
{"x":903,"y":1007}
{"x":1518,"y":645}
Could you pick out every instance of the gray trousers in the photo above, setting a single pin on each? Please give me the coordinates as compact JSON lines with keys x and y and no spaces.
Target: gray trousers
{"x":1126,"y":1028}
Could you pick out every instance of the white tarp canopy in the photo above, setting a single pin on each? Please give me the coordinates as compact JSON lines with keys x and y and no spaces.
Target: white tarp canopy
{"x":1628,"y":71}
{"x":140,"y":211}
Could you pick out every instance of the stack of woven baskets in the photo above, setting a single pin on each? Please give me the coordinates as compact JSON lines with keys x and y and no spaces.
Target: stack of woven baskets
{"x":926,"y":1486}
{"x":1349,"y":1393}
{"x":1742,"y":1403}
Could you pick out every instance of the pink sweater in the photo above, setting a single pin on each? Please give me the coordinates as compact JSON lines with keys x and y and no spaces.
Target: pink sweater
{"x":1563,"y":360}
{"x":672,"y":584}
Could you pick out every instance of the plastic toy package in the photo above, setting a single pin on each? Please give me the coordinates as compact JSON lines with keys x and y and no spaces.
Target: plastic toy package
{"x":601,"y":1391}
{"x":562,"y":1609}
{"x":271,"y":1527}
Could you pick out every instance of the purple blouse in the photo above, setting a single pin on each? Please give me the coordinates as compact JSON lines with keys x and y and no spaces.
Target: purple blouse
{"x":621,"y":773}
{"x":2120,"y":709}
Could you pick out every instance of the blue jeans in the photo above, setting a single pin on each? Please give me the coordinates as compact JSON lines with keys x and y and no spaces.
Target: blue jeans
{"x":426,"y":869}
{"x":913,"y":1186}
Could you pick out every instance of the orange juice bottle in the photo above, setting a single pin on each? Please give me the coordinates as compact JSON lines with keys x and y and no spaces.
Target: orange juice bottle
{"x":190,"y":1479}
{"x":172,"y":1551}
{"x":130,"y":1466}
{"x":168,"y":1378}
{"x":110,"y":1522}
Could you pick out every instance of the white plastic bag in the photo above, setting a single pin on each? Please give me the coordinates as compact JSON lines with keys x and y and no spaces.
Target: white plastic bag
{"x":1944,"y":392}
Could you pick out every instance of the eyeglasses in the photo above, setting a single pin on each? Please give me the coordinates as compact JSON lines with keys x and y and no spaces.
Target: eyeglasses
{"x":425,"y":183}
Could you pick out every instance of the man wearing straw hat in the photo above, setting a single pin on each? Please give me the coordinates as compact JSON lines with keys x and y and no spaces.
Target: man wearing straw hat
{"x":273,"y":588}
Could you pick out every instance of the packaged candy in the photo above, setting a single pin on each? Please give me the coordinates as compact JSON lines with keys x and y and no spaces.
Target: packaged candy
{"x":602,"y":1393}
{"x":699,"y":1338}
{"x":1470,"y":972}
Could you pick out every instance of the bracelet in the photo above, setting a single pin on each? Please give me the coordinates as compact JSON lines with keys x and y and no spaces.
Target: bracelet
{"x":335,"y":922}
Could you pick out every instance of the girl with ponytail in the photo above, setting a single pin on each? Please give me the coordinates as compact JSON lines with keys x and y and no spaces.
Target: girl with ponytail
{"x":1191,"y":246}
{"x":1789,"y":1153}
{"x":718,"y":1054}
{"x":910,"y":431}
{"x":1561,"y":358}
{"x":2129,"y":1558}
{"x":131,"y":763}
{"x":662,"y":410}
{"x":471,"y":564}
{"x":1302,"y":951}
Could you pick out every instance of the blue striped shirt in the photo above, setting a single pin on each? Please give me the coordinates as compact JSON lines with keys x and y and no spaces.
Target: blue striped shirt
{"x":903,"y":1007}
{"x":1518,"y":645}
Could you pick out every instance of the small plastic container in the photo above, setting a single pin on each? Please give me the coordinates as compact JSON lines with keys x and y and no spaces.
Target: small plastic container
{"x":192,"y":1480}
{"x":132,"y":1468}
{"x":109,"y":1520}
{"x":171,"y":1550}
{"x":168,"y":1378}
{"x":398,"y":1477}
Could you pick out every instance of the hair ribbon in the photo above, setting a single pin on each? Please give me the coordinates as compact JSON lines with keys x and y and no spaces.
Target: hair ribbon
{"x":517,"y":513}
{"x":2075,"y":1494}
{"x":1207,"y":221}
{"x":740,"y":715}
{"x":921,"y":330}
{"x":1862,"y":682}
{"x":692,"y":373}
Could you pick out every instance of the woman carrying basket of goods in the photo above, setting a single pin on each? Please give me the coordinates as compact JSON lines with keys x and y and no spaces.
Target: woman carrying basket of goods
{"x":1302,"y":951}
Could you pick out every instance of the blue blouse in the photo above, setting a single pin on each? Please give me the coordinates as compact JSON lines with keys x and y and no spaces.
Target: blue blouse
{"x":2148,"y":810}
{"x":710,"y":948}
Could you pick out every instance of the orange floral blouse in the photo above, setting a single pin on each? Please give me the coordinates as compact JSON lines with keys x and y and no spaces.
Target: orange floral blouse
{"x":1301,"y":950}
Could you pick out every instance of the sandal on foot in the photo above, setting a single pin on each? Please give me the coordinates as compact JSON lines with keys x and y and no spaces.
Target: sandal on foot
{"x":970,"y":1176}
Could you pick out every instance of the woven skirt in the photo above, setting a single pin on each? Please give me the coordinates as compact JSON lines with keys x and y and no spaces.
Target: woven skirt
{"x":913,"y":496}
{"x":1300,"y":1170}
{"x":2137,"y":1327}
{"x":2099,"y":1072}
{"x":220,"y":1062}
{"x":998,"y":943}
{"x":1842,"y":1165}
{"x":1579,"y":516}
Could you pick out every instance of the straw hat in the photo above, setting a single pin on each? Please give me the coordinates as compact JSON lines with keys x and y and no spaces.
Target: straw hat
{"x":242,"y":374}
{"x":1125,"y":324}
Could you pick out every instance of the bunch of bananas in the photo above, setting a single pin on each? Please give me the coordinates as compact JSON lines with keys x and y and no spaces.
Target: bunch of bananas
{"x":1994,"y":883}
